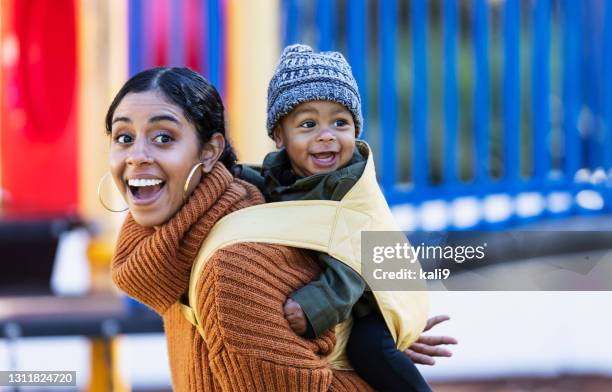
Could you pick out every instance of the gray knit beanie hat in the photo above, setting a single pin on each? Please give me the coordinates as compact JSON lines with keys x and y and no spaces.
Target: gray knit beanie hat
{"x":303,"y":75}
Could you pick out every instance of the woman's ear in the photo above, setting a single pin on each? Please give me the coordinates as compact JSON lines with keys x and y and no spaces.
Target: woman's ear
{"x":211,"y":152}
{"x":277,"y":134}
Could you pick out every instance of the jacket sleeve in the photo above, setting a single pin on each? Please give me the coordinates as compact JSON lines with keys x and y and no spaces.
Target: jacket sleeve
{"x":252,"y":174}
{"x":251,"y":347}
{"x":329,"y":300}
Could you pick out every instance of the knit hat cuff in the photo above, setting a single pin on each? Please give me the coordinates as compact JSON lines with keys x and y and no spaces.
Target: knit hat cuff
{"x":286,"y":101}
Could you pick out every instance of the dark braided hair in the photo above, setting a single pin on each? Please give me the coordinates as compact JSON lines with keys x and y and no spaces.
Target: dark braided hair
{"x":196,"y":96}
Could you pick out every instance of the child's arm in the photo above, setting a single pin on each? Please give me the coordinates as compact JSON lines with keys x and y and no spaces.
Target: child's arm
{"x":250,"y":174}
{"x":326,"y":301}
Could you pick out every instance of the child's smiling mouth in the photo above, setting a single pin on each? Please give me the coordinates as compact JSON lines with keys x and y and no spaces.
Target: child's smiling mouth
{"x":325,"y":159}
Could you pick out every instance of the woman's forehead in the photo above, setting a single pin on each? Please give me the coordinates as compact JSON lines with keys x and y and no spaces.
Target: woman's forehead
{"x":147,"y":104}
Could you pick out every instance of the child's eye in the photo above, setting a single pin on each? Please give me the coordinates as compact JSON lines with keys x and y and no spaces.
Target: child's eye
{"x":308,"y":124}
{"x":341,"y":123}
{"x":162,"y":138}
{"x":123,"y":139}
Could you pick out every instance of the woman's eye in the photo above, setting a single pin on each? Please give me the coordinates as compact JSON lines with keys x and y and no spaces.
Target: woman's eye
{"x":162,"y":138}
{"x":123,"y":139}
{"x":308,"y":124}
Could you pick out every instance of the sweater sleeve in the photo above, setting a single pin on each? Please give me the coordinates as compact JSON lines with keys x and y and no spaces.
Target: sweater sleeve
{"x":251,"y":346}
{"x":329,"y":300}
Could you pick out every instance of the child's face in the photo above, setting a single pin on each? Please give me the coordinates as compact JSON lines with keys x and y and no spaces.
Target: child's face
{"x":319,"y":137}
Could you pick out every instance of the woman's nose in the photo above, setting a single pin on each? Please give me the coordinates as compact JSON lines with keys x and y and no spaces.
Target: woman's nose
{"x":139,"y":154}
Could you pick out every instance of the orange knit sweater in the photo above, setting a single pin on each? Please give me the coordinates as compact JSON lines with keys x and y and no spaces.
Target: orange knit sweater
{"x":249,"y":345}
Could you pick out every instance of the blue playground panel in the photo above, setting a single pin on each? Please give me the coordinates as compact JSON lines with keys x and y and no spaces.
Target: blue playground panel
{"x":580,"y":183}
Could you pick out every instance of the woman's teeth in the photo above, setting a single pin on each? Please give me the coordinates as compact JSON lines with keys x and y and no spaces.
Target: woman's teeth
{"x":145,"y":189}
{"x":144,"y":182}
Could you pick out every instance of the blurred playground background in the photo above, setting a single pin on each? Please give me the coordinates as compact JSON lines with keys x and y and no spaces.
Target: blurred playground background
{"x":483,"y":115}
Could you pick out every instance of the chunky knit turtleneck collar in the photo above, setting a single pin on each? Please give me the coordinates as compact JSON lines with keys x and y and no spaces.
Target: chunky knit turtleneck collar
{"x":159,"y":260}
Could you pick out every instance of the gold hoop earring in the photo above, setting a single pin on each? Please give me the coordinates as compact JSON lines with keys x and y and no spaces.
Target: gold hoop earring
{"x":191,"y":173}
{"x":100,"y":195}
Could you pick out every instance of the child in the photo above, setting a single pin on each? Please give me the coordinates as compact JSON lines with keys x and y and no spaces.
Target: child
{"x":314,"y":116}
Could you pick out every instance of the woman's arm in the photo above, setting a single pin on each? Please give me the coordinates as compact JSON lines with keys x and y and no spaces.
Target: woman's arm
{"x":426,"y":347}
{"x":241,"y":293}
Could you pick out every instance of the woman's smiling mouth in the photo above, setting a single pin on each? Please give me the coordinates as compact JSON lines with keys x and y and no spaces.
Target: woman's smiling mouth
{"x":144,"y":191}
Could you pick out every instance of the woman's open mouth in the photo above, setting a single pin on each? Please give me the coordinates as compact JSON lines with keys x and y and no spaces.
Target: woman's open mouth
{"x":325,"y":159}
{"x":145,"y":190}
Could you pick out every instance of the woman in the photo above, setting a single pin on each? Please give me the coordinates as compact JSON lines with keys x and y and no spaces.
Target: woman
{"x":171,"y":161}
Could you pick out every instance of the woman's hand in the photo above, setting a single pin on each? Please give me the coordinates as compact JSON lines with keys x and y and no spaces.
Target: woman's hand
{"x":295,"y":315}
{"x":424,"y":349}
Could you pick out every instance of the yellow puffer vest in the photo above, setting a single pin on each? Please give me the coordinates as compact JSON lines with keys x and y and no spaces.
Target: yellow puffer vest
{"x":333,"y":227}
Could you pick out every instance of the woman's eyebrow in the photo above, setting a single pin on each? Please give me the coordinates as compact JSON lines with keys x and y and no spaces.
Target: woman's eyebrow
{"x":122,"y":119}
{"x":164,"y":117}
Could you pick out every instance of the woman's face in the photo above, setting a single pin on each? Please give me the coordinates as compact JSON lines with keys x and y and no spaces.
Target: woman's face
{"x":153,"y":149}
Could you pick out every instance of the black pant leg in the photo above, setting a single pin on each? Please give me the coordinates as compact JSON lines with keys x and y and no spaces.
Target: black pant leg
{"x":372,"y":353}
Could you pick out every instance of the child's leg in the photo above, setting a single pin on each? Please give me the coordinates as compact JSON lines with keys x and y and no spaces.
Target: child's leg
{"x":372,"y":352}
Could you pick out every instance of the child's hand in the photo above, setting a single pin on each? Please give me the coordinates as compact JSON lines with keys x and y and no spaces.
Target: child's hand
{"x":295,"y":315}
